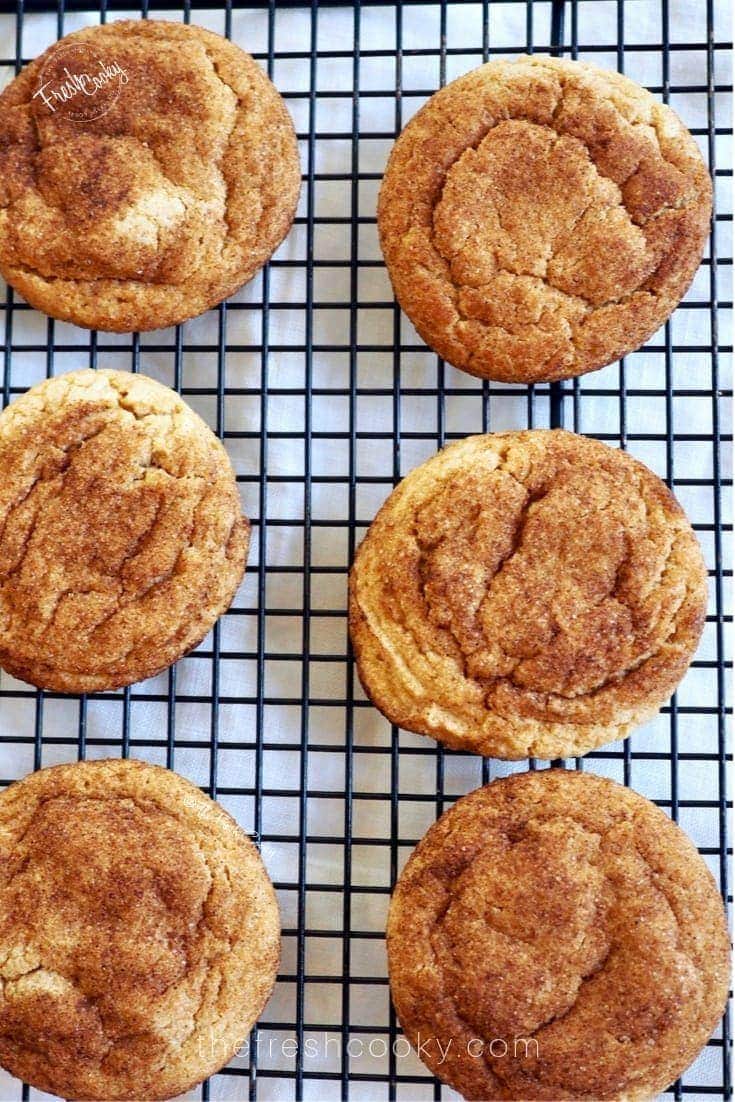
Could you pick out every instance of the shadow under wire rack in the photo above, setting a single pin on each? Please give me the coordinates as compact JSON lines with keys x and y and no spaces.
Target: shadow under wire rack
{"x":325,"y":397}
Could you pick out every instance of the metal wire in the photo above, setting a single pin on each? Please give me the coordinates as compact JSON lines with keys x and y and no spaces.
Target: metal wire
{"x":386,"y":404}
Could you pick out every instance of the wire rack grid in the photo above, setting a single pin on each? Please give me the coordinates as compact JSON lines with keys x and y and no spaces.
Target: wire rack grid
{"x":325,"y":397}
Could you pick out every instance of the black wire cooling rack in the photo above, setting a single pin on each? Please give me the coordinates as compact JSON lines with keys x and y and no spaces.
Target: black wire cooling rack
{"x":325,"y":397}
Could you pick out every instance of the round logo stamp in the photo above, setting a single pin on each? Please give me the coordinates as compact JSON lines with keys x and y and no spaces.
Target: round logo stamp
{"x":78,"y":83}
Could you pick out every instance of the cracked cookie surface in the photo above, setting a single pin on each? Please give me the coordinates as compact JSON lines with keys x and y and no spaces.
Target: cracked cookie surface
{"x":555,"y":936}
{"x":121,"y":534}
{"x":541,"y":218}
{"x":139,"y":932}
{"x":162,"y":206}
{"x":526,"y":594}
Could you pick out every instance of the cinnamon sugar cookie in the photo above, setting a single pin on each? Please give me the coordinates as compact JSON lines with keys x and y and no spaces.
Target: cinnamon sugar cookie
{"x":121,"y":534}
{"x":147,"y":199}
{"x":541,"y":218}
{"x":555,"y":936}
{"x":139,"y":932}
{"x":526,"y":593}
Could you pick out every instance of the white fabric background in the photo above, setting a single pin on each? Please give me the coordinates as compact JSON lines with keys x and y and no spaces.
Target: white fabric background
{"x":599,"y":413}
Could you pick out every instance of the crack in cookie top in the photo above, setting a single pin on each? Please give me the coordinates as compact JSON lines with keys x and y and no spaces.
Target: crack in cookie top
{"x":555,"y":936}
{"x":541,"y":218}
{"x":531,"y":593}
{"x":144,"y":201}
{"x":139,"y":932}
{"x":121,"y":534}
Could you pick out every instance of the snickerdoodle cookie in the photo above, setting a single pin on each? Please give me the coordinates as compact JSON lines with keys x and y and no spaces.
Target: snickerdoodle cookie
{"x":121,"y":536}
{"x":541,"y":218}
{"x":147,"y":170}
{"x":139,"y":932}
{"x":556,"y":936}
{"x":526,"y":593}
